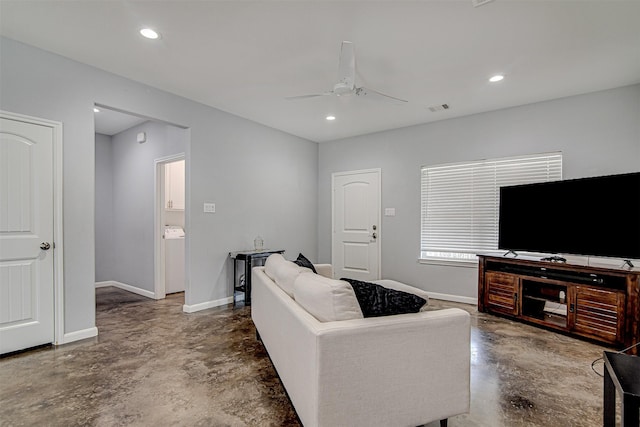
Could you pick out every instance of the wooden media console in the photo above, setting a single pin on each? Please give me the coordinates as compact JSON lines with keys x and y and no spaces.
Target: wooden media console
{"x":597,"y":303}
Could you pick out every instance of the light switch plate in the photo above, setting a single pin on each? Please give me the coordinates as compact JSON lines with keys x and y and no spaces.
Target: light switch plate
{"x":389,"y":211}
{"x":210,"y":207}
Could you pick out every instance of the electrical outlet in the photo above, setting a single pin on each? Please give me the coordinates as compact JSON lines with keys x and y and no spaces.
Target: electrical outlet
{"x":210,"y":207}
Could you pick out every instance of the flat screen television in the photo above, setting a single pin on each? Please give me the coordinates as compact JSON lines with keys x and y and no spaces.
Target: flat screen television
{"x":598,"y":216}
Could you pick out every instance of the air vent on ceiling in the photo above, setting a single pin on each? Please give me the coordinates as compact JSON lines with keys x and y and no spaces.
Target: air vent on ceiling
{"x":477,"y":3}
{"x":436,"y":108}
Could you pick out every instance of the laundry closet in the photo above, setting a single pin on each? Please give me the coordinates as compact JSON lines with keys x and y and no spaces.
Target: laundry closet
{"x":174,"y":234}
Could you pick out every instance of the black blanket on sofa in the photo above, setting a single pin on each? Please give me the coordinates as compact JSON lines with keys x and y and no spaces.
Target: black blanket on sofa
{"x":376,"y":300}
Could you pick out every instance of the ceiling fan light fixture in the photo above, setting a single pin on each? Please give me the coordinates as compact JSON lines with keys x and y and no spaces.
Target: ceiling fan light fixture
{"x":343,"y":89}
{"x":330,"y":117}
{"x":496,"y":78}
{"x":149,"y":33}
{"x":346,"y":81}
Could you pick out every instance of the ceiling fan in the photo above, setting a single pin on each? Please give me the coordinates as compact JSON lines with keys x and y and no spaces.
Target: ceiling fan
{"x":346,"y":84}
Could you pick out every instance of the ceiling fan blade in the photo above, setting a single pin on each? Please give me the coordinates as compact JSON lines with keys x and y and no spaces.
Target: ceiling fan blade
{"x":374,"y":94}
{"x":308,"y":96}
{"x":347,"y":65}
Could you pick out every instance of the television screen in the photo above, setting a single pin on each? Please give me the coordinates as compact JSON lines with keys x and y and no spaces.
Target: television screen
{"x":597,"y":216}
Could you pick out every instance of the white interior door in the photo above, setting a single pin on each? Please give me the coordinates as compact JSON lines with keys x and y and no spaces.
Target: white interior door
{"x":26,"y":235}
{"x":355,"y":249}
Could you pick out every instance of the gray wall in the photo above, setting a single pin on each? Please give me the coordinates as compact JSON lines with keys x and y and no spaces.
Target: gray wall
{"x":104,"y":208}
{"x":263,"y":181}
{"x":598,"y":134}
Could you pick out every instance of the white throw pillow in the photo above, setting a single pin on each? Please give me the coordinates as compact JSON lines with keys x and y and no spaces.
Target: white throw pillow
{"x":283,"y":272}
{"x":326,"y":299}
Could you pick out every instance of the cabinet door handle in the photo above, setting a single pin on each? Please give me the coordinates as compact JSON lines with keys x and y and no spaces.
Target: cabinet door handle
{"x":572,"y":308}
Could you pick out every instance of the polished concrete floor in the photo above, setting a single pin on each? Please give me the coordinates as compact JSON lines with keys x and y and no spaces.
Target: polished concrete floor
{"x":153,"y":365}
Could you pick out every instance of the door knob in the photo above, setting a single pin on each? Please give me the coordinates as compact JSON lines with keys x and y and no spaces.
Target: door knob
{"x":374,"y":235}
{"x":45,"y":246}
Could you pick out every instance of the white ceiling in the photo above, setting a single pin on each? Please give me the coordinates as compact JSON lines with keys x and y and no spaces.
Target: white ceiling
{"x":245,"y":57}
{"x":111,"y":122}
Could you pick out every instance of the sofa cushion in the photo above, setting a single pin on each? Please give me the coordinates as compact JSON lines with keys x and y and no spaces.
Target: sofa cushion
{"x":326,"y":299}
{"x":302,"y":261}
{"x":376,"y":300}
{"x":283,"y":272}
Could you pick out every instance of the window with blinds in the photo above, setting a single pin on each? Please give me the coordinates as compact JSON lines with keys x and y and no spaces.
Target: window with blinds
{"x":459,"y":209}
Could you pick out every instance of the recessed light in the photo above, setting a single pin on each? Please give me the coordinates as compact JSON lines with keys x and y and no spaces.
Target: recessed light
{"x":496,"y":78}
{"x":95,"y":110}
{"x":331,"y":118}
{"x":149,"y":33}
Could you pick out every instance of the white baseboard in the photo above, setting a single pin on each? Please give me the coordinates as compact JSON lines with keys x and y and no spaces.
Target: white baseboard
{"x":78,"y":335}
{"x":204,"y":305}
{"x":135,"y":290}
{"x":454,"y":298}
{"x":105,"y":284}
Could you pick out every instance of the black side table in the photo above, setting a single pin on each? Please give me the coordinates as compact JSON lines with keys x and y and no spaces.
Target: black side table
{"x":622,"y":372}
{"x":249,"y":257}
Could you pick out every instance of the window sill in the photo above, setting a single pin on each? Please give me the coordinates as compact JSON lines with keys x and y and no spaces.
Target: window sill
{"x":449,"y":262}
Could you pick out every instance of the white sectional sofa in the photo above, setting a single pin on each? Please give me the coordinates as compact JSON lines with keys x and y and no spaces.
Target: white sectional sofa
{"x":400,"y":370}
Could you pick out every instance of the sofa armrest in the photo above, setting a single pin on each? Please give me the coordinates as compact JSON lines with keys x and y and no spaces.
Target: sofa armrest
{"x":325,"y":270}
{"x":287,"y":332}
{"x":409,"y":369}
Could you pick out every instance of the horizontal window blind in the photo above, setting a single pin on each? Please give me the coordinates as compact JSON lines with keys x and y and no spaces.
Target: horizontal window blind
{"x":459,"y":209}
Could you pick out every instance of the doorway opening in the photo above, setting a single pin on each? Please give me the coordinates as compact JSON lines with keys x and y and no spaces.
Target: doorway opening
{"x":170,"y":225}
{"x":129,"y":207}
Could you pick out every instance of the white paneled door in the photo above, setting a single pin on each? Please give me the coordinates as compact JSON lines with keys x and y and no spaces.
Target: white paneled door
{"x":26,"y":235}
{"x":355,"y":248}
